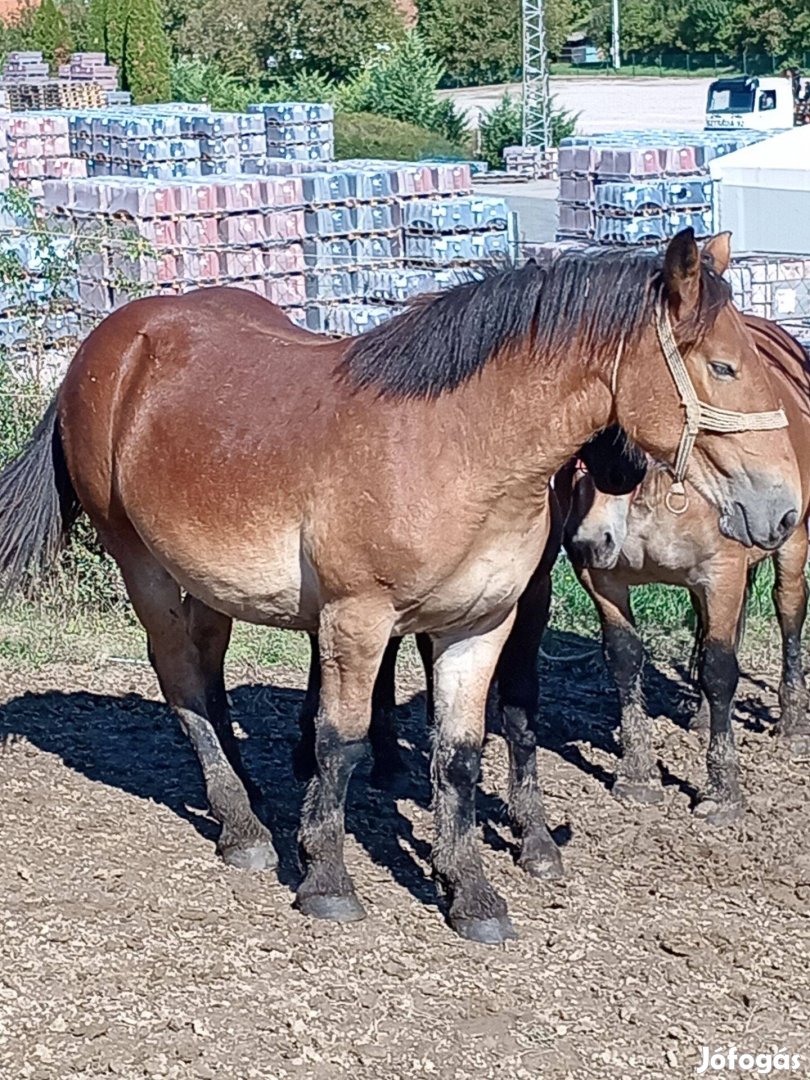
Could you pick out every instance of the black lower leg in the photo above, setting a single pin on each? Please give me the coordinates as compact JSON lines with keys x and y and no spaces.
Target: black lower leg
{"x":719,"y":675}
{"x":475,"y":909}
{"x":539,"y":855}
{"x":327,"y":891}
{"x":425,"y":647}
{"x":383,"y":735}
{"x":636,"y":776}
{"x":243,"y":841}
{"x":304,"y":753}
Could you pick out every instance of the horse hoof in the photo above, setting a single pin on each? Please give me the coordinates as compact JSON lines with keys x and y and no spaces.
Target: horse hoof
{"x":545,"y":867}
{"x":260,"y":856}
{"x":491,"y":931}
{"x":718,"y":814}
{"x":798,"y":744}
{"x":342,"y":909}
{"x":632,"y":791}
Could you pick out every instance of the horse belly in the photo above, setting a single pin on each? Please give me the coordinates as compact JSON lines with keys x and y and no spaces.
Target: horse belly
{"x":271,"y":584}
{"x":485,"y":588}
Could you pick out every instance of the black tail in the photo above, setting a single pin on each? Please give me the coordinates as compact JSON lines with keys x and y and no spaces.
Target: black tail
{"x":38,"y":505}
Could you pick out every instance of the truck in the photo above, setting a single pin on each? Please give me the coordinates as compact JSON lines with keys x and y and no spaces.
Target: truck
{"x":764,"y":104}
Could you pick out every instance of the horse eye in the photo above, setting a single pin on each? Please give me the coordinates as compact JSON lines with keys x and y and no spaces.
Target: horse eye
{"x":721,"y":370}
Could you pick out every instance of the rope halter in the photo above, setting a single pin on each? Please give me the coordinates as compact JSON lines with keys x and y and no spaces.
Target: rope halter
{"x":700,"y":416}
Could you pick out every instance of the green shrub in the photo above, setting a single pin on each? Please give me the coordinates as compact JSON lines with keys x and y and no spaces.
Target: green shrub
{"x":194,"y":79}
{"x":402,"y":85}
{"x":503,"y":126}
{"x":369,"y":135}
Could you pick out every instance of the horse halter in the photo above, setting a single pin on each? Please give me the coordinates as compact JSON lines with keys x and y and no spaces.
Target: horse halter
{"x":700,"y":416}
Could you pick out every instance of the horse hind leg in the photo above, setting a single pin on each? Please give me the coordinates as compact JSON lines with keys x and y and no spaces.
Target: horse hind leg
{"x":790,"y":600}
{"x":387,"y":763}
{"x":188,"y":679}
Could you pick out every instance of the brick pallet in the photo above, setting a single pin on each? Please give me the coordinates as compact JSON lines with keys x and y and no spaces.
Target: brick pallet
{"x":640,"y":187}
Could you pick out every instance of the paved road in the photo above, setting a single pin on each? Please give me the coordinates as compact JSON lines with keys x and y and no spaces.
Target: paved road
{"x":610,"y":104}
{"x":603,"y":104}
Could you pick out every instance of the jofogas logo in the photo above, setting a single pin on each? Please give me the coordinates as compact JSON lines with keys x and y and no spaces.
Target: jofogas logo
{"x":758,"y":1063}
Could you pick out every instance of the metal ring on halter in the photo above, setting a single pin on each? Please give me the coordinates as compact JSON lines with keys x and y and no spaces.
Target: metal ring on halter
{"x":679,"y":491}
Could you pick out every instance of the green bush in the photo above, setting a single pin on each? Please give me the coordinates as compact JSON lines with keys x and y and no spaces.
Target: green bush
{"x":370,"y":135}
{"x":194,"y":79}
{"x":503,"y":126}
{"x":147,"y":64}
{"x":403,"y":85}
{"x":52,"y":33}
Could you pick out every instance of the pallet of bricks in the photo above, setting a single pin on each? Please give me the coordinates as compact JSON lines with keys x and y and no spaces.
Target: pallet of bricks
{"x":640,"y":187}
{"x":170,"y":236}
{"x":29,"y":86}
{"x":379,"y":233}
{"x":31,"y":302}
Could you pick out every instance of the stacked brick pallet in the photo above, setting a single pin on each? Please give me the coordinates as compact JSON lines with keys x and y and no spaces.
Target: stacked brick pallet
{"x":27,"y":83}
{"x":244,"y":231}
{"x":640,"y":187}
{"x":38,"y":148}
{"x":90,"y":67}
{"x":34,"y":301}
{"x":297,"y":131}
{"x":381,"y":232}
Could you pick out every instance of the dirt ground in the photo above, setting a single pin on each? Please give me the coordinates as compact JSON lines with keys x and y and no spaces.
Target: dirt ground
{"x":127,"y":949}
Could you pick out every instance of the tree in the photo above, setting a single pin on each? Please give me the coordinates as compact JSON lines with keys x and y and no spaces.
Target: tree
{"x":503,"y":126}
{"x":336,"y":38}
{"x":706,"y":25}
{"x":147,"y":63}
{"x":232,"y":34}
{"x":476,"y":40}
{"x":51,"y":32}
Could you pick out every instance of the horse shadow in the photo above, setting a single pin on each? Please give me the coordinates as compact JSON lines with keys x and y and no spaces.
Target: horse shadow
{"x":137,"y":746}
{"x":579,"y":702}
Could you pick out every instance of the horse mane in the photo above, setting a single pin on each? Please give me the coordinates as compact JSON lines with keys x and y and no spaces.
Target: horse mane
{"x":596,"y":297}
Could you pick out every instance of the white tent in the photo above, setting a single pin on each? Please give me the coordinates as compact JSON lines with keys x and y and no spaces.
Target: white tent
{"x":762,"y":194}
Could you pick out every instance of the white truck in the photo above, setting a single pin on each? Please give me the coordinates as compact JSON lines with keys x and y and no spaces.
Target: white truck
{"x":765,"y":104}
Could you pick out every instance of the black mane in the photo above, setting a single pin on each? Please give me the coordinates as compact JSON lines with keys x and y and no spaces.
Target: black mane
{"x":598,"y":297}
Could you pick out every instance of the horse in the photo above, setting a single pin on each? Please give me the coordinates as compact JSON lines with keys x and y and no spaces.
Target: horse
{"x":237,"y":466}
{"x":618,"y":541}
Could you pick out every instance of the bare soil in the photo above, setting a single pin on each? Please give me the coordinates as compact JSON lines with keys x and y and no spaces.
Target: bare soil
{"x":127,"y":949}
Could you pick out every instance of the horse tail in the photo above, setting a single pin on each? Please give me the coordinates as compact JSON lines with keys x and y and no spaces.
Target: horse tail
{"x":38,"y":504}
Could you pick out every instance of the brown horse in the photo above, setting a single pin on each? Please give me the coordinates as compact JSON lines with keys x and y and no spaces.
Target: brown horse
{"x":616,"y":542}
{"x":372,"y":488}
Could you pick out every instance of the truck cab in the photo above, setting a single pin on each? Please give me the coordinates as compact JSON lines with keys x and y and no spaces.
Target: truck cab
{"x":749,"y":102}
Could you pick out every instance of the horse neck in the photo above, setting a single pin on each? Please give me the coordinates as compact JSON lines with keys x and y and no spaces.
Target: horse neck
{"x":538,"y":415}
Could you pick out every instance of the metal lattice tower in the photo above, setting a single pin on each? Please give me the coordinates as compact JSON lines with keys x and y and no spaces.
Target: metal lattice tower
{"x":536,"y":100}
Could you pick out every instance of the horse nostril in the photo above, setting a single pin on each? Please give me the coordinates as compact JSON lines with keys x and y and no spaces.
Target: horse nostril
{"x":789,"y":521}
{"x":608,"y":540}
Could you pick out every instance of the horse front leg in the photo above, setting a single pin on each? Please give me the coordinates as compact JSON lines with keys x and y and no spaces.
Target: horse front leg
{"x":352,"y":639}
{"x":790,"y":600}
{"x":721,"y":801}
{"x":637,"y":775}
{"x":462,"y":669}
{"x":518,"y":692}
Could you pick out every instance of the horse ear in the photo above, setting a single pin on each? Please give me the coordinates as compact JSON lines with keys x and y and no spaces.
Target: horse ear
{"x":717,"y":252}
{"x":682,"y":273}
